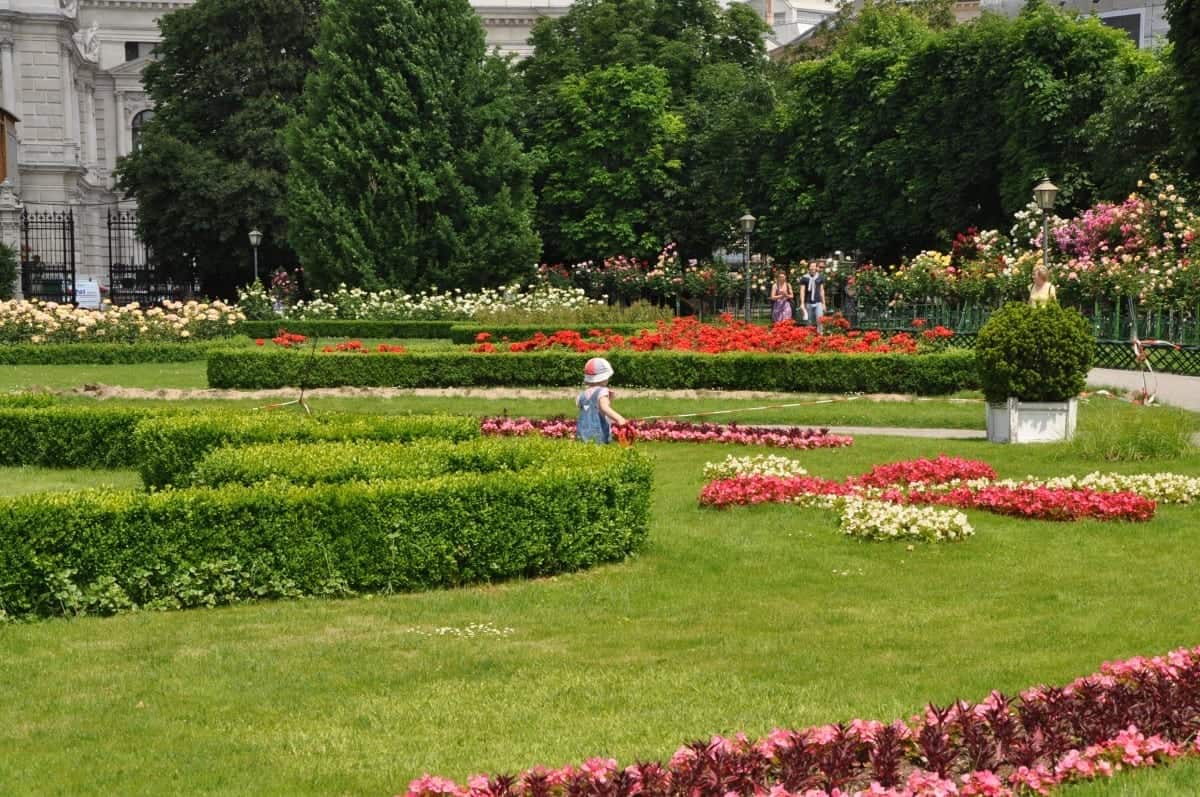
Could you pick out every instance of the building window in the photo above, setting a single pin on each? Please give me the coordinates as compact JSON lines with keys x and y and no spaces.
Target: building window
{"x":136,"y":126}
{"x":780,"y":17}
{"x":1130,"y":23}
{"x":132,"y":51}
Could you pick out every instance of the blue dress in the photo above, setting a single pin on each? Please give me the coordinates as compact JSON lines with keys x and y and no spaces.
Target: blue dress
{"x":592,"y":425}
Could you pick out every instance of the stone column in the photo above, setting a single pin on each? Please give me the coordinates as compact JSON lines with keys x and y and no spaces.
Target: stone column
{"x":70,"y":104}
{"x":122,"y":146}
{"x":8,"y":74}
{"x":89,"y":110}
{"x":10,"y":224}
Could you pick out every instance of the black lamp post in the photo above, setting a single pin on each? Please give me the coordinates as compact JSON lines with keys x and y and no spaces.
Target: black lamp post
{"x":255,"y":239}
{"x":747,"y":223}
{"x":1044,"y":194}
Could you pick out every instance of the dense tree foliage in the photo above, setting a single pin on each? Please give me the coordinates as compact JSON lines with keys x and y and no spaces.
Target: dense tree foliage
{"x":707,"y":94}
{"x":211,"y":163}
{"x":405,"y":168}
{"x":1184,"y":35}
{"x":905,"y":133}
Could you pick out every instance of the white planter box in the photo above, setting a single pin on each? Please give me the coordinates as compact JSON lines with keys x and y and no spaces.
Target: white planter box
{"x":1031,"y":421}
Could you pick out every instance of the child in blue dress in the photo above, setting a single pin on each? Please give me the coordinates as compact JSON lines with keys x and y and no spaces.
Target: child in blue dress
{"x":596,"y":413}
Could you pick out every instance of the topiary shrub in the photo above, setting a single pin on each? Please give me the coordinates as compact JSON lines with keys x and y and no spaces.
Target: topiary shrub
{"x":1034,"y":353}
{"x":9,"y":271}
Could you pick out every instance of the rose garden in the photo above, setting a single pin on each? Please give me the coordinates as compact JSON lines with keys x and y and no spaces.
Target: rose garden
{"x":329,"y":531}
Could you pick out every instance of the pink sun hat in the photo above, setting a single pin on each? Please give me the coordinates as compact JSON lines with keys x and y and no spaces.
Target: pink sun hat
{"x":597,"y":369}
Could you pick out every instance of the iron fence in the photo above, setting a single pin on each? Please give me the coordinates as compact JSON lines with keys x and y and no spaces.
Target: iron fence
{"x":48,"y":255}
{"x":133,"y":276}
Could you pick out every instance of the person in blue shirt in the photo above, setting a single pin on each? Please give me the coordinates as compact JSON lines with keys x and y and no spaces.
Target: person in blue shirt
{"x":596,"y":413}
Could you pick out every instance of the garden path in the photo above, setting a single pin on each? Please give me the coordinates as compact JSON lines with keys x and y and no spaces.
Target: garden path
{"x":1179,"y":391}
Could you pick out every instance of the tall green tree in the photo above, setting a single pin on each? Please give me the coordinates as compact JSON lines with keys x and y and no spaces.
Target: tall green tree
{"x":716,"y":83}
{"x":405,"y":170}
{"x":211,"y":163}
{"x":1184,"y":35}
{"x":907,"y":132}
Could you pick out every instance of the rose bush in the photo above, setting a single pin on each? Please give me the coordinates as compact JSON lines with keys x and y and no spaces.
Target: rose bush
{"x":677,"y":432}
{"x":49,"y":322}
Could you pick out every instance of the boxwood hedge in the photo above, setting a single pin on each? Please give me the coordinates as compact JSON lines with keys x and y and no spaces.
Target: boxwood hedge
{"x":928,"y":374}
{"x":166,"y":449}
{"x":70,"y":435}
{"x":525,"y":508}
{"x":345,"y":329}
{"x":110,"y":353}
{"x":467,"y":333}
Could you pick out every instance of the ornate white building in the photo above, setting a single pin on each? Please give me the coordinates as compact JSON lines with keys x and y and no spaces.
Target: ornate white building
{"x":72,"y":103}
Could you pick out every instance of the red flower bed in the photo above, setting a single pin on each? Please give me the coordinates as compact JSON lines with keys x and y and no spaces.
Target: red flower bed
{"x":1041,"y":503}
{"x":688,"y":334}
{"x":1132,"y":714}
{"x":358,"y":347}
{"x":676,"y":431}
{"x":929,"y":471}
{"x":291,"y":340}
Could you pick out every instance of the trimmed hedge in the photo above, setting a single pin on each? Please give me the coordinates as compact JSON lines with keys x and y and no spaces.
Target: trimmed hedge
{"x":344,"y":329}
{"x":465,"y":333}
{"x":109,"y":353}
{"x":168,"y":448}
{"x":567,"y":507}
{"x":928,"y":374}
{"x":71,"y":436}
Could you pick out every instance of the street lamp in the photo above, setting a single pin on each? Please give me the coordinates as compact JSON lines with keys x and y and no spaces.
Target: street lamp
{"x":1044,"y":195}
{"x":255,"y":240}
{"x":747,"y":223}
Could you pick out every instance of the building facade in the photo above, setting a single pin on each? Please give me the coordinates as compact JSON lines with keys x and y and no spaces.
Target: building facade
{"x":72,"y":103}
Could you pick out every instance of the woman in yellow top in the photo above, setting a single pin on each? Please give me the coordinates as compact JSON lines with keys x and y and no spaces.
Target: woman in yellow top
{"x":1041,"y":291}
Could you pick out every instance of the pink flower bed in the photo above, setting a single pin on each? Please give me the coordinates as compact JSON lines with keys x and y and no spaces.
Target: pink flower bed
{"x":1133,"y":714}
{"x":677,"y":431}
{"x":897,"y":480}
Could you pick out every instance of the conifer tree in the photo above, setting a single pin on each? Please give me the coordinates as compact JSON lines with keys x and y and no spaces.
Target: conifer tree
{"x":405,"y":171}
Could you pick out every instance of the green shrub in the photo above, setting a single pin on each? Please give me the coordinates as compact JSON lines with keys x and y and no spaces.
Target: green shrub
{"x":26,"y":400}
{"x":9,"y":271}
{"x":168,"y":448}
{"x":344,"y":330}
{"x":466,"y":333}
{"x":109,"y":353}
{"x":358,"y":460}
{"x":98,"y":551}
{"x":932,"y":374}
{"x":1034,"y":353}
{"x":71,"y":436}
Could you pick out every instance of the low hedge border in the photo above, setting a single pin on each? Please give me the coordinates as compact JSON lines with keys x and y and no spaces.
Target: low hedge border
{"x":565,"y":507}
{"x":168,"y":448}
{"x":110,"y":353}
{"x":71,"y":436}
{"x":466,"y":333}
{"x":928,"y":374}
{"x":345,"y":329}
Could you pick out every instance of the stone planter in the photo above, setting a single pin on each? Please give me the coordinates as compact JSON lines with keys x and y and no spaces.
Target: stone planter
{"x":1031,"y":421}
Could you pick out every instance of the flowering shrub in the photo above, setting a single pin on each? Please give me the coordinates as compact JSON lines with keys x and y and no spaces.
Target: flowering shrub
{"x":356,"y":346}
{"x":1130,"y":715}
{"x":1042,"y":503}
{"x":357,"y":304}
{"x":689,"y":334}
{"x":759,"y":465}
{"x":48,"y":322}
{"x":675,"y":431}
{"x":1163,"y":488}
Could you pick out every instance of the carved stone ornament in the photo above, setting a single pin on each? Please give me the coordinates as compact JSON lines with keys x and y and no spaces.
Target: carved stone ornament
{"x":8,"y":196}
{"x":88,"y":42}
{"x":69,"y":7}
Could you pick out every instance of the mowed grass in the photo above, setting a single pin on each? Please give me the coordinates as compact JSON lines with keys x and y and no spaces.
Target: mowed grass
{"x":737,"y":620}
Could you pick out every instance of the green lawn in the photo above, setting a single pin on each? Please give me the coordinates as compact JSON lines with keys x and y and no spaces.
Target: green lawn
{"x":737,"y":620}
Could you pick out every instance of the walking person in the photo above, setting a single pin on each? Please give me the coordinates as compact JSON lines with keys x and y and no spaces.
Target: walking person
{"x":596,"y":413}
{"x":812,"y":296}
{"x":781,"y":299}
